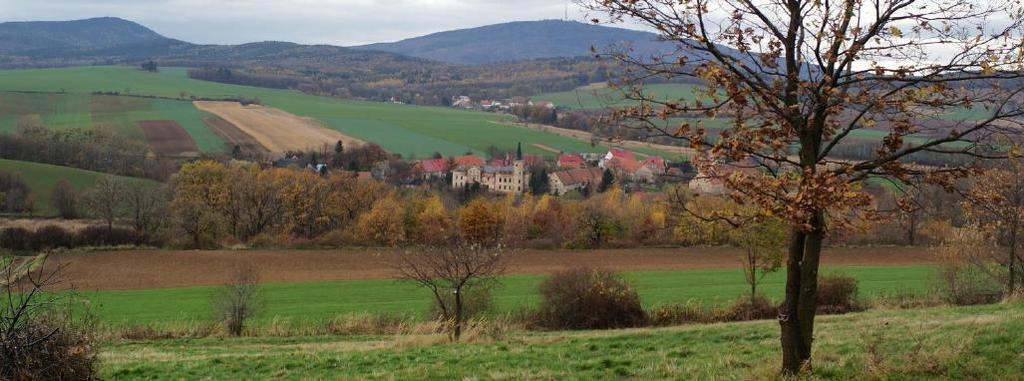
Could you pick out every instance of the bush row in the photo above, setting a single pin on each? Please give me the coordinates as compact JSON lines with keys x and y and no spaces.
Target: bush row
{"x":53,"y":237}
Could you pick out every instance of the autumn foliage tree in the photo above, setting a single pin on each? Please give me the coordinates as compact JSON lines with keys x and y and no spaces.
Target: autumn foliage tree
{"x":995,"y":202}
{"x":800,"y":78}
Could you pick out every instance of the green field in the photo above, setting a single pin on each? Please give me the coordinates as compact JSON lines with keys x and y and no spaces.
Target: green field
{"x":63,"y":111}
{"x":601,"y":96}
{"x":325,"y":300}
{"x":413,"y":131}
{"x":41,"y":178}
{"x":975,"y":343}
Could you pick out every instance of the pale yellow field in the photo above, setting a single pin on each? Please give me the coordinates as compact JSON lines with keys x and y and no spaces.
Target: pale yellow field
{"x":275,"y":129}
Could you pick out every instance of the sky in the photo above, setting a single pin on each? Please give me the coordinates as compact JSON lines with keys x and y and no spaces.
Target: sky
{"x":336,"y":22}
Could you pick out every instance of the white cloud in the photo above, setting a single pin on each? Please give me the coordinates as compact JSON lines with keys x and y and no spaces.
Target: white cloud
{"x":338,"y":22}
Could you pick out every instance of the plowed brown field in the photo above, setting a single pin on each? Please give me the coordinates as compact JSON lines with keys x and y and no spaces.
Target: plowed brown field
{"x":275,"y":129}
{"x":166,"y":137}
{"x":234,"y":136}
{"x":157,"y":269}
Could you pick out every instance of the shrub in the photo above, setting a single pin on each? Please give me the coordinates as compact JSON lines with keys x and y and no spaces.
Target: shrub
{"x":589,"y":299}
{"x":16,"y":239}
{"x":684,"y":313}
{"x":47,"y":350}
{"x":758,"y":308}
{"x":239,"y":300}
{"x":968,"y":284}
{"x":102,"y":236}
{"x":837,"y":294}
{"x":51,"y":237}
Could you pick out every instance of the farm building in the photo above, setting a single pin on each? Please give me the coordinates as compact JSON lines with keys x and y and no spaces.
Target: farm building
{"x":563,"y":182}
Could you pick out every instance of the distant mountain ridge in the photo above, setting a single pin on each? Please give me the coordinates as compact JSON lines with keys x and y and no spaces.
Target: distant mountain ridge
{"x":96,"y":33}
{"x":524,"y":40}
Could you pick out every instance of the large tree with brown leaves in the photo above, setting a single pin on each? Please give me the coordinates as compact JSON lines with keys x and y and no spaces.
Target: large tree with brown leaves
{"x":800,"y":78}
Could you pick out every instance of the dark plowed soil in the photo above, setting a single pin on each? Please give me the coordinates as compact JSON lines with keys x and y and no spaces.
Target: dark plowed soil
{"x":233,"y":136}
{"x":166,"y":137}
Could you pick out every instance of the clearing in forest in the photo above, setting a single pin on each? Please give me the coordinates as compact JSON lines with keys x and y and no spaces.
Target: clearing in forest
{"x":275,"y":129}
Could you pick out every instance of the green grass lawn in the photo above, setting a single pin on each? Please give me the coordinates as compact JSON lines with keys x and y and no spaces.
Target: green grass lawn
{"x":976,"y":343}
{"x":41,"y":178}
{"x":326,"y":300}
{"x":412,"y":131}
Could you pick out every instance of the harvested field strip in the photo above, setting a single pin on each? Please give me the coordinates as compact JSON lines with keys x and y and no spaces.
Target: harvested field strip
{"x":166,"y":137}
{"x":318,"y":301}
{"x":160,"y":269}
{"x":546,"y":148}
{"x":275,"y":129}
{"x":234,"y":136}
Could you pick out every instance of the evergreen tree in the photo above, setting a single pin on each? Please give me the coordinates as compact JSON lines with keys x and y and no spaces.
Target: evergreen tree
{"x":607,"y":180}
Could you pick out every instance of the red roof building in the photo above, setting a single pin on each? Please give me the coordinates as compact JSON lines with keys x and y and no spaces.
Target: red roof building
{"x":573,"y":161}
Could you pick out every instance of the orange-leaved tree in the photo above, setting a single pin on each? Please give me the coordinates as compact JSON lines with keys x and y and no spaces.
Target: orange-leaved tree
{"x":798,"y":80}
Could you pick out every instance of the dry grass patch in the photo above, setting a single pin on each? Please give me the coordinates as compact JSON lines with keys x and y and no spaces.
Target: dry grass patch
{"x":275,"y":129}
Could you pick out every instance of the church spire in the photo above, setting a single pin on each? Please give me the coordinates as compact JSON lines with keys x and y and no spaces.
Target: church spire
{"x":519,"y":151}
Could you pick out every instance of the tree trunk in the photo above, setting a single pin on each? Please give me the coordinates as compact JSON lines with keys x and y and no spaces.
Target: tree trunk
{"x":457,"y":333}
{"x":796,"y":316}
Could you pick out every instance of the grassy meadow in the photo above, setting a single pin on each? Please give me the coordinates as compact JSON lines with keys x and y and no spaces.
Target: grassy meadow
{"x":972,"y":343}
{"x":321,"y":301}
{"x":41,"y":178}
{"x":412,"y":131}
{"x":601,"y":96}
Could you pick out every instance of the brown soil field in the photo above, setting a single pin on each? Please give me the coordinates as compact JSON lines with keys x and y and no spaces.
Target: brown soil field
{"x":275,"y":129}
{"x":166,"y":137}
{"x":159,"y":269}
{"x":235,"y":136}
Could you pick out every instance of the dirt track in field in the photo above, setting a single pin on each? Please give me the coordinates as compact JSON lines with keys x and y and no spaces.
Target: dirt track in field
{"x":166,"y":137}
{"x":159,"y":269}
{"x":275,"y":129}
{"x":234,"y":136}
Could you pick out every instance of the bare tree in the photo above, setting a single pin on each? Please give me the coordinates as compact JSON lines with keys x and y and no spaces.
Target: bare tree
{"x":104,"y":200}
{"x":453,"y":270}
{"x":799,"y":78}
{"x":239,"y":300}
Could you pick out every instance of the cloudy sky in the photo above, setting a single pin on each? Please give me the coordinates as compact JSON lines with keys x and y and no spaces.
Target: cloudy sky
{"x":338,"y":22}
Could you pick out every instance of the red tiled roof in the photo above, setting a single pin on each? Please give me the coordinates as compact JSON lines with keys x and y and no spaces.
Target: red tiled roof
{"x":580,"y":176}
{"x":627,"y":165}
{"x":622,"y":154}
{"x":434,"y":165}
{"x":571,"y":161}
{"x":469,"y":161}
{"x":655,"y":161}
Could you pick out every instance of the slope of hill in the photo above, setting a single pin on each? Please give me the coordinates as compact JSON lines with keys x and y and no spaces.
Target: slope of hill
{"x":523,"y":40}
{"x":412,"y":131}
{"x":48,"y":36}
{"x":41,"y":179}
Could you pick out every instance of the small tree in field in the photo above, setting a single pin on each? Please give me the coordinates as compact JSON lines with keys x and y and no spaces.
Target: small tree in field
{"x":104,"y":200}
{"x":239,"y":300}
{"x":763,"y":245}
{"x":995,"y":201}
{"x":64,"y":198}
{"x":455,"y":270}
{"x":799,"y":78}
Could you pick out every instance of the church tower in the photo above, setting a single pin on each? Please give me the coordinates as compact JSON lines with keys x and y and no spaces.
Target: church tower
{"x":519,"y":169}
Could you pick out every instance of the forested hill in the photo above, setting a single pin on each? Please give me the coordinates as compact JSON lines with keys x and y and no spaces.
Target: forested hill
{"x":35,"y":37}
{"x":524,"y":40}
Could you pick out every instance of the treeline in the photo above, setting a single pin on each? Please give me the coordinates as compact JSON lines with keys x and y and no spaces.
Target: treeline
{"x":94,"y":149}
{"x":15,"y":196}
